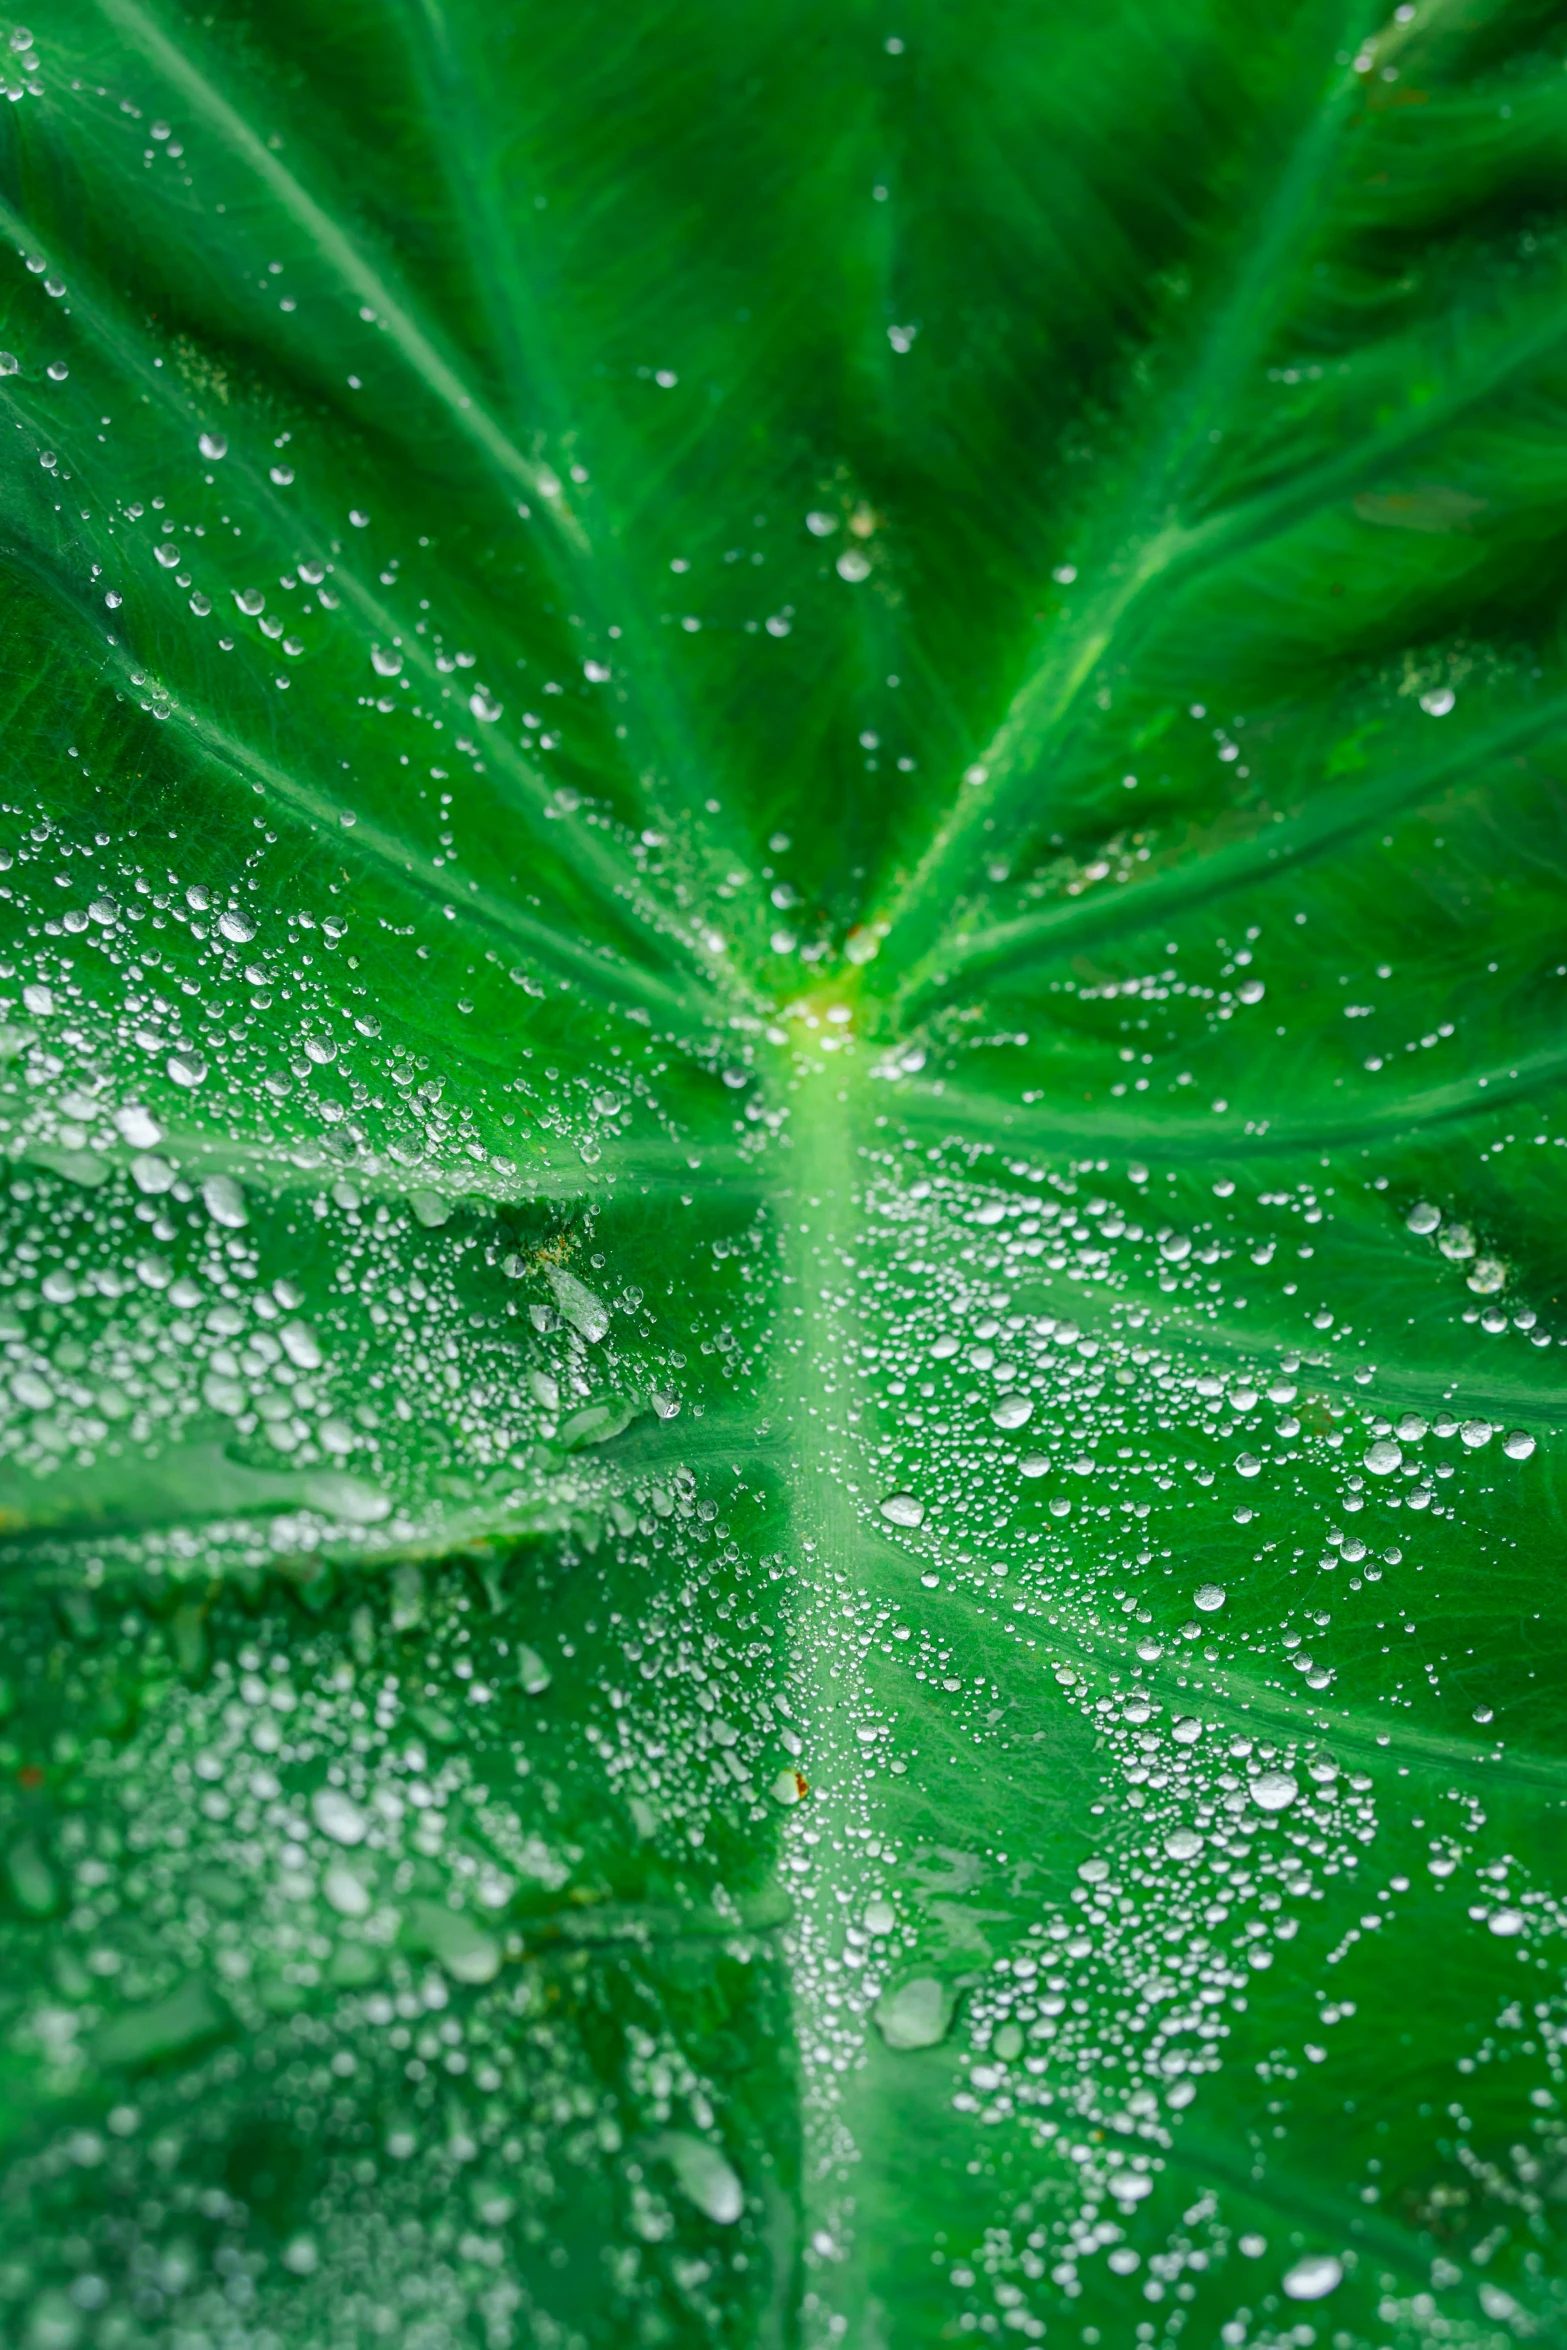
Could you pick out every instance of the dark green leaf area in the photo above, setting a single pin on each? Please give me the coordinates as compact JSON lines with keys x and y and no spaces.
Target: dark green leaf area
{"x":781,"y":1265}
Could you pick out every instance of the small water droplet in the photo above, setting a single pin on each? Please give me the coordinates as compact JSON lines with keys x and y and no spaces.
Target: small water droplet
{"x":1209,"y":1598}
{"x":213,"y":445}
{"x":386,"y":661}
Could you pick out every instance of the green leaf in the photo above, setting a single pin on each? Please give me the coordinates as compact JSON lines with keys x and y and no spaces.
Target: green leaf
{"x":780,"y":1057}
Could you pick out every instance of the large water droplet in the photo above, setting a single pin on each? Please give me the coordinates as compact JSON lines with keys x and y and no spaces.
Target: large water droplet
{"x":225,"y":1202}
{"x":916,"y":2015}
{"x":902,"y":1509}
{"x":338,"y":1816}
{"x":703,"y":2176}
{"x":1319,"y":2273}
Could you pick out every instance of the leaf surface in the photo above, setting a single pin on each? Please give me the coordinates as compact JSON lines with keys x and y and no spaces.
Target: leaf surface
{"x":780,"y":1058}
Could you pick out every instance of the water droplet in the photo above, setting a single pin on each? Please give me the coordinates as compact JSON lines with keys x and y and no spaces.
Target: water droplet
{"x":213,"y":445}
{"x":386,"y":661}
{"x":1435,"y":704}
{"x":9,"y":363}
{"x":152,"y":1175}
{"x":821,"y":524}
{"x":1095,"y":1870}
{"x":1423,"y":1217}
{"x":1382,"y":1458}
{"x":703,"y":2176}
{"x":250,"y":600}
{"x":1013,"y":1411}
{"x":1411,"y":1428}
{"x":1313,"y":2278}
{"x":187,"y":1068}
{"x":1033,"y":1464}
{"x":137,"y":1126}
{"x":533,"y":1674}
{"x":1130,"y":2186}
{"x":300,"y":1345}
{"x":1274,"y":1791}
{"x":1507,"y":1922}
{"x":484,"y":707}
{"x":225,"y":1202}
{"x":1517,"y":1444}
{"x":300,"y":2257}
{"x":1183,"y":1844}
{"x":880,"y":1917}
{"x":916,"y":2015}
{"x":587,"y":1314}
{"x":1474,"y":1433}
{"x":1248,"y":1465}
{"x":338,"y":1816}
{"x":1209,"y":1597}
{"x":902,"y":1509}
{"x":852,"y":565}
{"x":789,"y":1788}
{"x":345,"y":1892}
{"x":1187,"y":1730}
{"x":429,"y":1209}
